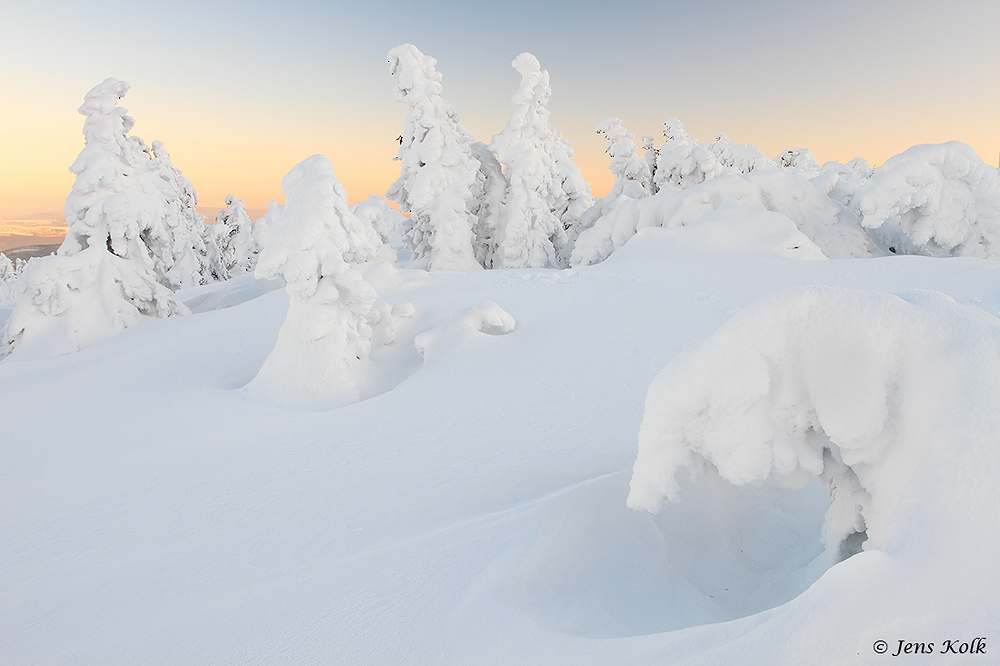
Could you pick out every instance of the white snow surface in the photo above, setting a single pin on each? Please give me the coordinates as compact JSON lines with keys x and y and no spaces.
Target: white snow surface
{"x":473,"y":510}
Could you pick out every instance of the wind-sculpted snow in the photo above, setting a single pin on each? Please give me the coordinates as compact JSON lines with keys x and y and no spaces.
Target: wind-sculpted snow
{"x":829,"y":225}
{"x":850,"y":386}
{"x":935,"y":199}
{"x":316,"y":244}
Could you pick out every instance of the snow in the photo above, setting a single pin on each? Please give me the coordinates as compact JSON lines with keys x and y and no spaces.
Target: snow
{"x":740,"y":429}
{"x":473,"y":508}
{"x":935,"y":199}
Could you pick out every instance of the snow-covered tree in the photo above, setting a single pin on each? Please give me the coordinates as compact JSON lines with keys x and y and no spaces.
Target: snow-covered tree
{"x":531,"y":232}
{"x":7,"y":276}
{"x":182,"y":243}
{"x":383,"y":218}
{"x":101,"y":279}
{"x":934,"y":199}
{"x":842,"y":385}
{"x":650,"y":153}
{"x":316,"y":244}
{"x":439,"y":170}
{"x":490,"y":190}
{"x":740,"y":157}
{"x":797,"y":158}
{"x":682,"y":162}
{"x":631,"y":171}
{"x":234,"y":238}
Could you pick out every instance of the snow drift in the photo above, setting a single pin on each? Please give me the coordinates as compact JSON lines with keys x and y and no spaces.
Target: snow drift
{"x":850,"y":386}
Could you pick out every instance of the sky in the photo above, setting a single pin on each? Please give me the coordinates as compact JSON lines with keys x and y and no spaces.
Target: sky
{"x":240,"y":92}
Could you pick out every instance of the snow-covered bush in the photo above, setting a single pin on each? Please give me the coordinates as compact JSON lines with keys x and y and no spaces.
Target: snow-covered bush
{"x":102,"y":278}
{"x":316,"y":244}
{"x":831,"y":226}
{"x":853,"y":387}
{"x":439,"y":170}
{"x":545,"y":192}
{"x":934,"y":199}
{"x":234,"y":238}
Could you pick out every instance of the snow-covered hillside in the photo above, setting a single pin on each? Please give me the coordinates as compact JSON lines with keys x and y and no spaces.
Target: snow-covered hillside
{"x":472,"y":507}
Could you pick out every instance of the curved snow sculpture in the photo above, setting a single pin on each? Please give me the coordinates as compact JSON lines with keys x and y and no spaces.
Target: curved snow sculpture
{"x":854,"y":387}
{"x":935,"y":199}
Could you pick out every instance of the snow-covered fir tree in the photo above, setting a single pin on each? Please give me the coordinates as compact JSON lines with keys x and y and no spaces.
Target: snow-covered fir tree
{"x":182,"y":243}
{"x":7,"y":276}
{"x":740,"y":157}
{"x":438,"y":171}
{"x":386,"y":220}
{"x":650,"y":153}
{"x":316,"y":244}
{"x":234,"y":239}
{"x":532,"y":232}
{"x":681,"y":162}
{"x":490,"y":190}
{"x":631,"y":171}
{"x":102,"y":278}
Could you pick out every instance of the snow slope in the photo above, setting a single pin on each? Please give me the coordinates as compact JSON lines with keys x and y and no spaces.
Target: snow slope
{"x":472,"y":508}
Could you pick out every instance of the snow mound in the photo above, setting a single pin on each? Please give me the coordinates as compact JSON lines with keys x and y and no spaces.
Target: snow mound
{"x":487,"y":318}
{"x":830,"y":225}
{"x":935,"y":199}
{"x":849,"y":386}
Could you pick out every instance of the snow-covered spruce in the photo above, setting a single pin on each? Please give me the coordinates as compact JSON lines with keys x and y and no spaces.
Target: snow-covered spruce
{"x":386,"y":220}
{"x":316,"y":244}
{"x":234,"y":238}
{"x":8,"y":274}
{"x":102,"y":279}
{"x":850,"y":386}
{"x":546,"y":193}
{"x":182,"y":244}
{"x":934,"y":199}
{"x":632,"y":172}
{"x":681,"y":162}
{"x":439,"y":171}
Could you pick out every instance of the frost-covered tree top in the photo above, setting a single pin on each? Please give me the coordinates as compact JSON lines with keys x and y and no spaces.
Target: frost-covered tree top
{"x":438,"y":170}
{"x":935,"y":199}
{"x":314,"y":230}
{"x":631,"y":171}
